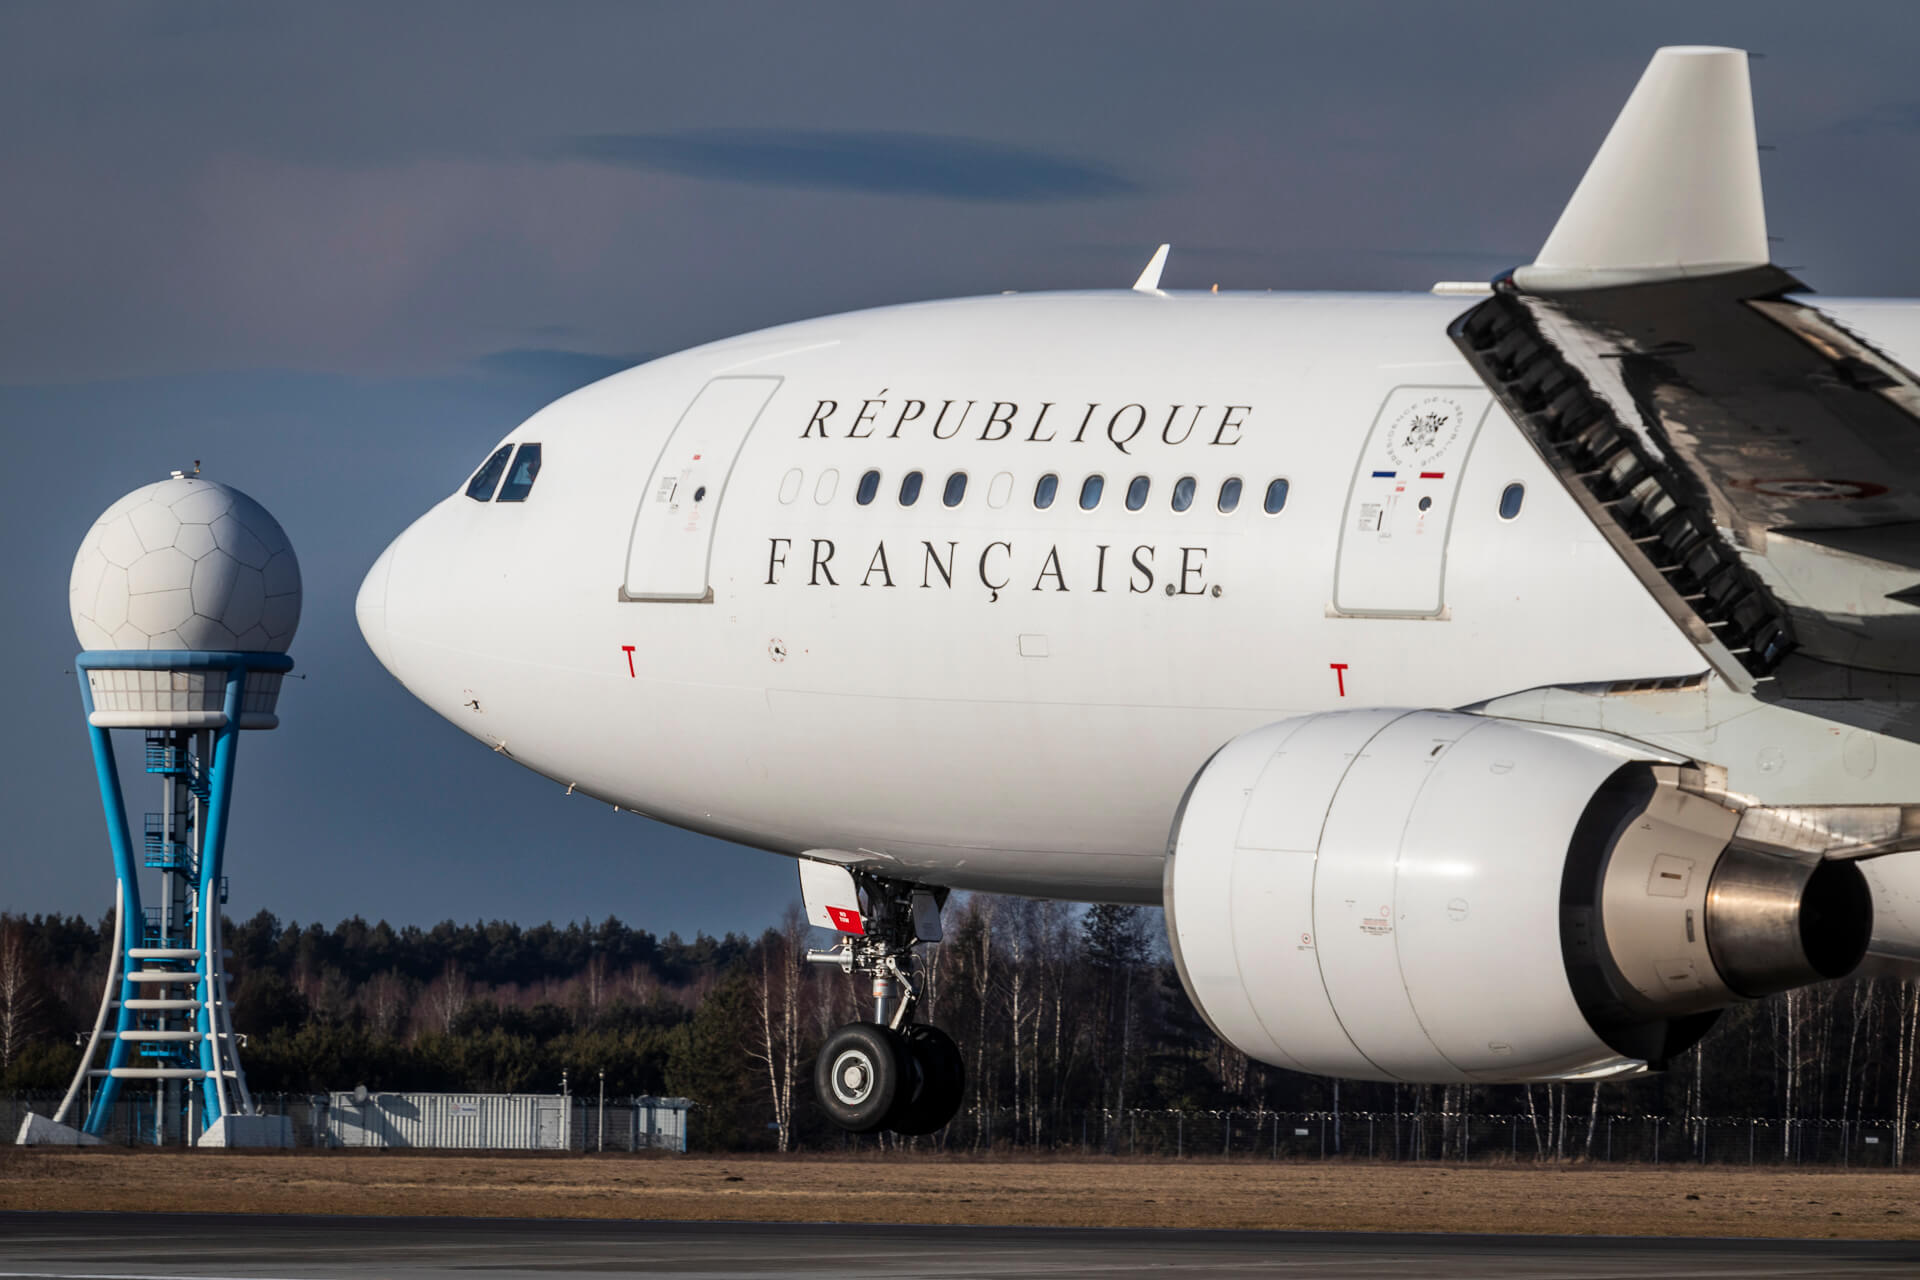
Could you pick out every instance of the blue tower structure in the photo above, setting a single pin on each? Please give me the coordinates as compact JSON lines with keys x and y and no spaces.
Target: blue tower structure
{"x":185,"y":595}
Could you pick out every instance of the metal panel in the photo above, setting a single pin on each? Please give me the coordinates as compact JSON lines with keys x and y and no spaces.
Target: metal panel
{"x":659,"y":1123}
{"x":450,"y":1121}
{"x":673,"y":529}
{"x":1393,"y":540}
{"x":1354,"y":913}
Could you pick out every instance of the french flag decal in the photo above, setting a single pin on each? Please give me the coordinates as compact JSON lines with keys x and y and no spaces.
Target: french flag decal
{"x":1433,"y":475}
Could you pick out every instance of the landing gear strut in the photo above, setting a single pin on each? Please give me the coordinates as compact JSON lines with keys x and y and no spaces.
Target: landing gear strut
{"x":890,"y":1073}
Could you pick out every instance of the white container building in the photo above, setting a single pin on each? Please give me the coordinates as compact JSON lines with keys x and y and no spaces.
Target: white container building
{"x":450,"y":1121}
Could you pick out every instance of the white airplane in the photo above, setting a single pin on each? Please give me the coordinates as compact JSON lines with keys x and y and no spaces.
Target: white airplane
{"x":1488,"y":695}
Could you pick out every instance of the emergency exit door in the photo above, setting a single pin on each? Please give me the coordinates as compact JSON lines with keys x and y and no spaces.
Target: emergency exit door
{"x":673,"y":529}
{"x":1393,"y":539}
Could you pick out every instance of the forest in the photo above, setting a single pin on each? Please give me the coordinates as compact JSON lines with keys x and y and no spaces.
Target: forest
{"x":1072,"y":1019}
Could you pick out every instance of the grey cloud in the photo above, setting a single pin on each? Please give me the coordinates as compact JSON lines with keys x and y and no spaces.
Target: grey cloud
{"x":1492,"y":257}
{"x":551,"y":365}
{"x":907,"y":164}
{"x":1886,"y":118}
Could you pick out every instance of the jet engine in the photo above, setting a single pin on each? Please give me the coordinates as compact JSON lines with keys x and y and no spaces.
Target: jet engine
{"x":1431,"y":896}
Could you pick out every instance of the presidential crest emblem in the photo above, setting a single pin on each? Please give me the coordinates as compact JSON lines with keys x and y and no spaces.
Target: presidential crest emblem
{"x":1424,"y":432}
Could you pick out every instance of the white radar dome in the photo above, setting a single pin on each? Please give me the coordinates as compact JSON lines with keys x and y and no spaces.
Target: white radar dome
{"x":188,"y":564}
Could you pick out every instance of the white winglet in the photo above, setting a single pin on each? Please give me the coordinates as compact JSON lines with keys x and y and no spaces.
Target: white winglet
{"x":1149,"y":281}
{"x":1674,"y":190}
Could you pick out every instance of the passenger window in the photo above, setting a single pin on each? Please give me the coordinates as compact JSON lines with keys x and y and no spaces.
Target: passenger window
{"x":1229,"y":495}
{"x":910,"y":488}
{"x":1000,"y":490}
{"x":790,"y":486}
{"x":1183,"y":493}
{"x":1090,"y":492}
{"x":1044,"y":491}
{"x":1137,"y":493}
{"x":956,"y":489}
{"x":1510,"y":500}
{"x":827,"y":486}
{"x":869,"y":485}
{"x":520,"y":476}
{"x":1276,"y":497}
{"x":487,"y":478}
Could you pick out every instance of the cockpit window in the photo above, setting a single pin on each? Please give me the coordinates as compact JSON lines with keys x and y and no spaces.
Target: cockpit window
{"x":487,"y":478}
{"x":526,"y":465}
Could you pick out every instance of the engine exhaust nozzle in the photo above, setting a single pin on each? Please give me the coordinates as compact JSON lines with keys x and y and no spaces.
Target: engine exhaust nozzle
{"x":1774,"y":923}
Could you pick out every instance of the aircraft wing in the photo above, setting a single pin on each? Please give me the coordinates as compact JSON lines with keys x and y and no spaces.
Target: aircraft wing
{"x":1756,"y":463}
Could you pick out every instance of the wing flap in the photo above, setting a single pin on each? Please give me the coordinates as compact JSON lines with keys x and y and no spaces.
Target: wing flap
{"x":1754,"y":461}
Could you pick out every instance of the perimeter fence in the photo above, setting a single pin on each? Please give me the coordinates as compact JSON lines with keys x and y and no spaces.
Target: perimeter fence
{"x":1487,"y":1136}
{"x":622,"y":1124}
{"x":631,"y":1124}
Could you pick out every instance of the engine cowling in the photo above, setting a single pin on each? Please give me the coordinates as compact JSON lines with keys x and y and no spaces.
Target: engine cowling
{"x":1435,"y":896}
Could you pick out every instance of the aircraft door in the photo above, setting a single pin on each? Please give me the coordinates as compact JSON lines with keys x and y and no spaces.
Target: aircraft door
{"x":673,"y":529}
{"x":1393,"y":536}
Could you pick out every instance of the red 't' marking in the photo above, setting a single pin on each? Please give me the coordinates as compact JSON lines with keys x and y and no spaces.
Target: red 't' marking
{"x":1340,"y":674}
{"x":846,"y":921}
{"x":628,"y":650}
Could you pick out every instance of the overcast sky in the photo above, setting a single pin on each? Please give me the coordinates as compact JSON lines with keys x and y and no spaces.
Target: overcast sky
{"x":337,"y":250}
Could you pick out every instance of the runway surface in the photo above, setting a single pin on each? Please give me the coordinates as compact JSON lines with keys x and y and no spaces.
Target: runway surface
{"x":79,"y":1246}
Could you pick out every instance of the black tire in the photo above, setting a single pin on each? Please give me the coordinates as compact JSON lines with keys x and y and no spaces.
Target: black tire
{"x":932,"y":1091}
{"x":859,"y":1074}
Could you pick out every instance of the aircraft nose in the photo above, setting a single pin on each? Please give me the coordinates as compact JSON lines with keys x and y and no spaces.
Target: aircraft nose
{"x":370,"y":606}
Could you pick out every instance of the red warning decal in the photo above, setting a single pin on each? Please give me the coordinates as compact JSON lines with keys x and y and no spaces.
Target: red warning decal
{"x":846,"y":921}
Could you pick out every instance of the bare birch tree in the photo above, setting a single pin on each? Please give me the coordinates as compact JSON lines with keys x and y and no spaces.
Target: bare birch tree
{"x":448,"y":997}
{"x":1907,"y":1032}
{"x":594,"y":981}
{"x":384,"y":1000}
{"x":778,"y":996}
{"x":983,"y":1091}
{"x":20,"y":998}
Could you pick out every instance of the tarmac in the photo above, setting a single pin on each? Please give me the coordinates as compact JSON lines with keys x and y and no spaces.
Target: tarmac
{"x":111,"y":1246}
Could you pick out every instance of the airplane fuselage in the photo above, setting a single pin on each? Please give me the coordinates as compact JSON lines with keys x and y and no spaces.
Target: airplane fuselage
{"x":694,"y":615}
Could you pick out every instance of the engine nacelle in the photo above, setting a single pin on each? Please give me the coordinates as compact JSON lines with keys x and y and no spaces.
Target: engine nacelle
{"x":1432,"y":896}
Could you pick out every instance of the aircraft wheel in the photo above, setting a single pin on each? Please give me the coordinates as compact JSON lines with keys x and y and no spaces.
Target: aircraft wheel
{"x":859,"y":1075}
{"x":931,"y":1093}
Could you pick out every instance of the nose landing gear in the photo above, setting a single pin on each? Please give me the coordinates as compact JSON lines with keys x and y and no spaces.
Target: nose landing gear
{"x":890,"y":1073}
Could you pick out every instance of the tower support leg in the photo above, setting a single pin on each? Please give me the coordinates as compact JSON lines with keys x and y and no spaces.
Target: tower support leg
{"x":130,"y":924}
{"x":216,"y":1051}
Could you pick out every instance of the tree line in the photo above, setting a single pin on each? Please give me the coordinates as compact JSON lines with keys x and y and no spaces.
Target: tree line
{"x":1069,"y":1018}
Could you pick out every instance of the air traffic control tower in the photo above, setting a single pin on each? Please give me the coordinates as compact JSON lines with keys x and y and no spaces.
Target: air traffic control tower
{"x":185,"y":595}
